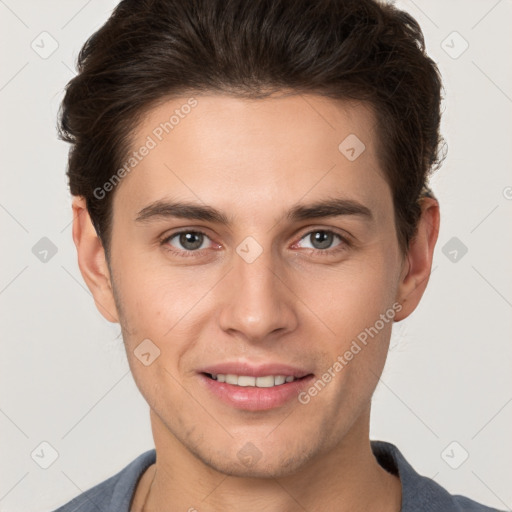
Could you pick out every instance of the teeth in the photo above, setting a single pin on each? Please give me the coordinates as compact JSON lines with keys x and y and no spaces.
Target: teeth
{"x":268,"y":381}
{"x":245,"y":380}
{"x":231,"y":379}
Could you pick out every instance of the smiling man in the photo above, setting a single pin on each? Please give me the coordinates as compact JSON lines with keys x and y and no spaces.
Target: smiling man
{"x":251,"y":204}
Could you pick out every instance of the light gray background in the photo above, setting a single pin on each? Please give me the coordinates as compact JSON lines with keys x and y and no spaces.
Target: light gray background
{"x":64,"y":374}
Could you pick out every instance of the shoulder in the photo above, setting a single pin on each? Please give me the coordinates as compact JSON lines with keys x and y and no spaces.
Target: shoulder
{"x":420,"y":492}
{"x":115,"y":493}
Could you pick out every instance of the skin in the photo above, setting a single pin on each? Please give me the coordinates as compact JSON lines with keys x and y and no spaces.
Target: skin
{"x":254,"y":160}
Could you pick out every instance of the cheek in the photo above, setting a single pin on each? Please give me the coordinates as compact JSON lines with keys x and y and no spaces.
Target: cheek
{"x":353,"y":295}
{"x":357,"y":306}
{"x":163,"y":303}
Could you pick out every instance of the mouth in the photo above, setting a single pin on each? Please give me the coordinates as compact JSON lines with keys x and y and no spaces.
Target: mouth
{"x":266,"y":381}
{"x":255,"y":393}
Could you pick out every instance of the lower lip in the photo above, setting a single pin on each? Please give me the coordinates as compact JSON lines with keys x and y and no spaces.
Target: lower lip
{"x":251,"y":398}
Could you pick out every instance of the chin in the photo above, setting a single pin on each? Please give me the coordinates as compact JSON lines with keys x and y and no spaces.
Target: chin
{"x":241,"y":464}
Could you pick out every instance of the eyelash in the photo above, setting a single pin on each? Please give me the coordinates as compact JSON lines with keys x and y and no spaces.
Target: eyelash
{"x":343,"y":246}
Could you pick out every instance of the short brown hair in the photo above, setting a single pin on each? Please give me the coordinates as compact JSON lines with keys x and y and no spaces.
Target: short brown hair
{"x":149,"y":50}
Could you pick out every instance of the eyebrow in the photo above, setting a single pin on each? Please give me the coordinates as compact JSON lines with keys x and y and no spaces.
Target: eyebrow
{"x":335,"y":207}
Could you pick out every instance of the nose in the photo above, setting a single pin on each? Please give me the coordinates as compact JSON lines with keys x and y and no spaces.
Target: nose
{"x":258,"y":302}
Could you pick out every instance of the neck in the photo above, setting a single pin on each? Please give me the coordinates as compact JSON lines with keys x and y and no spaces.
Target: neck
{"x":345,"y":478}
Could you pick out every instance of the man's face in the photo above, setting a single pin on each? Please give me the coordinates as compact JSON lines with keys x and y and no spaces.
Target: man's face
{"x":265,"y":289}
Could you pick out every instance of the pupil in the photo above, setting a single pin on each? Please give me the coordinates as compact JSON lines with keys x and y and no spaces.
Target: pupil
{"x":323,"y":238}
{"x":187,"y":240}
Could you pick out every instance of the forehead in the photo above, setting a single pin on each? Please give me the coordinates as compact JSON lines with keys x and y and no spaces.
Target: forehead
{"x":254,"y":156}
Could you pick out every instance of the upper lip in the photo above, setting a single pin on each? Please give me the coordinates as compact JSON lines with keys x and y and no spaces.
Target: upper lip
{"x":254,"y":370}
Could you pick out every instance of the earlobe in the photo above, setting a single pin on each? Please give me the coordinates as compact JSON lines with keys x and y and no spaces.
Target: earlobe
{"x":92,"y":261}
{"x":418,"y":260}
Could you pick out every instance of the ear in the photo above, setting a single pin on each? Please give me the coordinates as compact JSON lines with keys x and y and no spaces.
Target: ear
{"x":92,"y":261}
{"x":418,"y":260}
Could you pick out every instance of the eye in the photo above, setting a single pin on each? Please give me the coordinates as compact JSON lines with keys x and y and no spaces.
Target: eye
{"x":322,"y":239}
{"x":185,"y":241}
